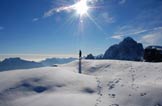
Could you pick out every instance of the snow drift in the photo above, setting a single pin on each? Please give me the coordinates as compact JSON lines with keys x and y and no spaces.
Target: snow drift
{"x":103,"y":83}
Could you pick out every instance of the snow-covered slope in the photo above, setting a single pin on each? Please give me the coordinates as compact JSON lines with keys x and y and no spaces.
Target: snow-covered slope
{"x":103,"y":83}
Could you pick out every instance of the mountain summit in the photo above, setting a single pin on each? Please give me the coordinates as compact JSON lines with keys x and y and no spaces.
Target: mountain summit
{"x":18,"y":63}
{"x":128,"y":49}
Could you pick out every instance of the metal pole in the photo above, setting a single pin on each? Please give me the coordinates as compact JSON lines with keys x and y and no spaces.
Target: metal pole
{"x":80,"y":59}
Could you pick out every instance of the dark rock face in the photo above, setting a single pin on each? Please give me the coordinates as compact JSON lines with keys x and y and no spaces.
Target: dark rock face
{"x":153,"y":54}
{"x":90,"y":56}
{"x":128,"y":49}
{"x":17,"y":63}
{"x":98,"y":57}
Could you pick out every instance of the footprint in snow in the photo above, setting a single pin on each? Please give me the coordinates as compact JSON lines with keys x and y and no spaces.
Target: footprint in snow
{"x":112,"y":95}
{"x":143,"y":94}
{"x":112,"y":84}
{"x":114,"y":105}
{"x":99,"y":92}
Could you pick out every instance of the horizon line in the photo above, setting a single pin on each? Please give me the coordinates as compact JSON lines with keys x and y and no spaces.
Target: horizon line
{"x":37,"y":57}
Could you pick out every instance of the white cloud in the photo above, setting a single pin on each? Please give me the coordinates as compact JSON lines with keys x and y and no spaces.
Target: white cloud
{"x":117,"y":37}
{"x":152,"y":38}
{"x":125,"y":31}
{"x":107,"y":18}
{"x":35,"y":19}
{"x":50,"y":12}
{"x":158,"y":28}
{"x":122,"y":1}
{"x":66,"y":7}
{"x":92,"y":1}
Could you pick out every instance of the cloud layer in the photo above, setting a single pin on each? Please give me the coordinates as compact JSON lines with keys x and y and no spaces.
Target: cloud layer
{"x":146,"y":36}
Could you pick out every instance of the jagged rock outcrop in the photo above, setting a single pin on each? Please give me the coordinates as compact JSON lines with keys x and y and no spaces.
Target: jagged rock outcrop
{"x":98,"y":57}
{"x":153,"y":54}
{"x":128,"y":49}
{"x":90,"y":56}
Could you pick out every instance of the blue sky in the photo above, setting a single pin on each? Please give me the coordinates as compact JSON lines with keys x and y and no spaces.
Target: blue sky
{"x":31,"y":27}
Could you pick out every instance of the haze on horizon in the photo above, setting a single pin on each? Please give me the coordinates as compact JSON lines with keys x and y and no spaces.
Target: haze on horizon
{"x":36,"y":57}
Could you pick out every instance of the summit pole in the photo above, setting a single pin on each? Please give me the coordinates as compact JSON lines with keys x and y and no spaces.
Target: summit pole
{"x":80,"y":59}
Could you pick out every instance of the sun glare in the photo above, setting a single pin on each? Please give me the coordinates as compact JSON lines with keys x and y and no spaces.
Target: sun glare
{"x":81,"y":7}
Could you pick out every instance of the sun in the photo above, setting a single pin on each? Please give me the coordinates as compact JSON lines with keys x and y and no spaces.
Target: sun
{"x":81,"y":7}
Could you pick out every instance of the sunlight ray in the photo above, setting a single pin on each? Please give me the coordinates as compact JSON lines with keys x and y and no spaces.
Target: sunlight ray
{"x":97,"y":25}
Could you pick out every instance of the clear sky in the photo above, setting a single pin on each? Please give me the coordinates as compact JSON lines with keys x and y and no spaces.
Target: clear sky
{"x":39,"y":27}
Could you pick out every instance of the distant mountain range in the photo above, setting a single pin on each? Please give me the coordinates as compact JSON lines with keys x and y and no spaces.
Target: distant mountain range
{"x":128,"y":49}
{"x":52,"y":61}
{"x":18,"y":63}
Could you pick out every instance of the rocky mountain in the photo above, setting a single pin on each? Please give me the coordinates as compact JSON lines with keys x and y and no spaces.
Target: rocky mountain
{"x":17,"y":63}
{"x":153,"y":54}
{"x":90,"y":56}
{"x":128,"y":49}
{"x":98,"y":57}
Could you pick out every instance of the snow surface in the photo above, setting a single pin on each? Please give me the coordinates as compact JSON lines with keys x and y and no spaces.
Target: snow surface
{"x":103,"y":83}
